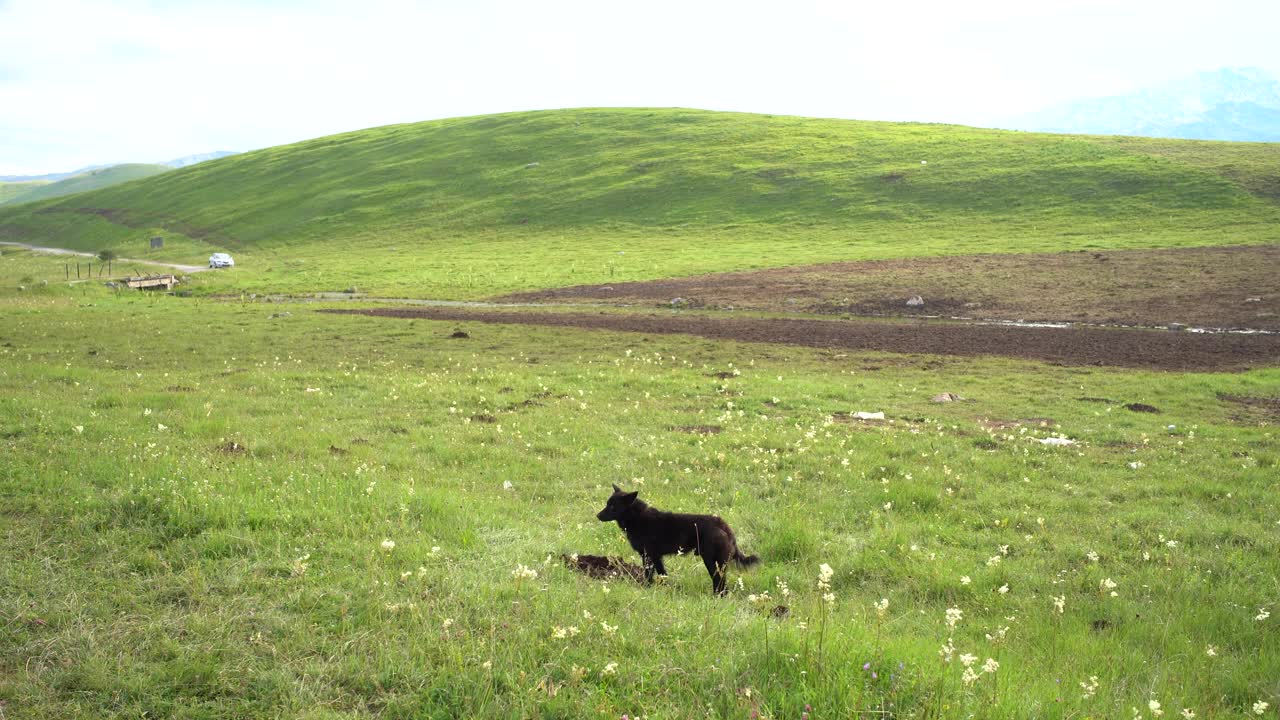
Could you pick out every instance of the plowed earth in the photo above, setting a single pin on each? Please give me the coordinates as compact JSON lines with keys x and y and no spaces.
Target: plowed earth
{"x":1219,"y":287}
{"x":1079,"y":346}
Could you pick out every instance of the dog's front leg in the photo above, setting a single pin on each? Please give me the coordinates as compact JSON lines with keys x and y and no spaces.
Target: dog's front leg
{"x":650,"y":567}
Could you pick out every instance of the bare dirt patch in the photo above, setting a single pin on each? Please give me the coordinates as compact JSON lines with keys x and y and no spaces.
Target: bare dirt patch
{"x":1254,"y":408}
{"x":1220,"y":287}
{"x":700,"y":429}
{"x":1151,"y":349}
{"x":1141,"y":408}
{"x":604,"y":568}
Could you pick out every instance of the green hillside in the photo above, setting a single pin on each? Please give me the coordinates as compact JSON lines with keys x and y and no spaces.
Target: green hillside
{"x":92,"y":180}
{"x":476,"y":205}
{"x":14,"y":191}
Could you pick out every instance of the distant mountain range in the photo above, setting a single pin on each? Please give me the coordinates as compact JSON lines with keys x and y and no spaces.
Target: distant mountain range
{"x":176,"y":163}
{"x":91,"y":180}
{"x":1226,"y":104}
{"x":202,"y":157}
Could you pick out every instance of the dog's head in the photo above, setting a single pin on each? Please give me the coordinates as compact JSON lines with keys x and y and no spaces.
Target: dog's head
{"x":618,"y":503}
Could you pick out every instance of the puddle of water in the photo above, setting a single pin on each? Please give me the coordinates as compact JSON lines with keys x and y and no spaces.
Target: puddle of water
{"x":1020,"y":323}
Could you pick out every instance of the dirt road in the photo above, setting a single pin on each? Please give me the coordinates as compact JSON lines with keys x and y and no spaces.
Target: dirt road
{"x":78,"y":253}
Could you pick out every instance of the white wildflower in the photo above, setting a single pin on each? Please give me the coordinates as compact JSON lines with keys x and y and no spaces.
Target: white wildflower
{"x":1260,"y":707}
{"x":882,"y":607}
{"x":782,"y":587}
{"x":948,"y":651}
{"x":1090,"y":688}
{"x":1154,"y":706}
{"x":388,"y":545}
{"x":610,"y":669}
{"x":953,"y":617}
{"x":824,"y":574}
{"x":965,"y":580}
{"x":990,"y":665}
{"x":1060,"y":604}
{"x":1263,"y":614}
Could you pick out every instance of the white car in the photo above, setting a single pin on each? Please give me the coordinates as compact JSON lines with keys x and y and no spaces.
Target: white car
{"x":221,"y":260}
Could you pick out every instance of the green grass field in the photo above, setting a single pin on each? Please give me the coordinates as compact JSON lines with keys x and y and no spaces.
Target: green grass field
{"x":200,"y":501}
{"x":474,"y":206}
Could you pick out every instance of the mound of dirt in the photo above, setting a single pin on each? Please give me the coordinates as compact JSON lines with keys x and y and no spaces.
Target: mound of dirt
{"x":604,"y":568}
{"x":1142,"y":408}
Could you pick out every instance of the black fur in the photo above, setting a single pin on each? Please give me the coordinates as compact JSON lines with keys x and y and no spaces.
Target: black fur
{"x":655,"y":534}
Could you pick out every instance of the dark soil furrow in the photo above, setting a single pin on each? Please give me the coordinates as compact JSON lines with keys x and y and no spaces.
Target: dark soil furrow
{"x":1150,"y":349}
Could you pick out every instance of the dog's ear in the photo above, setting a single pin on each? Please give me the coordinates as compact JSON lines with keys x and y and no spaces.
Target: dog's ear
{"x":616,"y":488}
{"x":630,"y":497}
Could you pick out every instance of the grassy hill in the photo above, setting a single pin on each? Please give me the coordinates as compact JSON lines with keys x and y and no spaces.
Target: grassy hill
{"x":471,"y":206}
{"x":14,"y":191}
{"x":92,"y":180}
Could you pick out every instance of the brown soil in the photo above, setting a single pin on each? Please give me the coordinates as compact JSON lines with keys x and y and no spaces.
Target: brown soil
{"x":1220,"y":287}
{"x":604,"y":568}
{"x":1142,"y":408}
{"x":1264,"y":408}
{"x":1152,"y":349}
{"x":700,"y":429}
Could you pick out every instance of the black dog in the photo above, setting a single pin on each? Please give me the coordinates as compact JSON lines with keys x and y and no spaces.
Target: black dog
{"x":654,"y":534}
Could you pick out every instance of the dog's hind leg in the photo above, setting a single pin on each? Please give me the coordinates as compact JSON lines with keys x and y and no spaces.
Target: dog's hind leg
{"x":717,"y":567}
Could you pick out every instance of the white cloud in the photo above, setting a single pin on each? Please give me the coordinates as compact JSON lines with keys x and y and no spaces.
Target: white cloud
{"x":91,"y":81}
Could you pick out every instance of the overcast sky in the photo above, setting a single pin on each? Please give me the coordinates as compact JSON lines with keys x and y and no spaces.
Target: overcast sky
{"x":100,"y":81}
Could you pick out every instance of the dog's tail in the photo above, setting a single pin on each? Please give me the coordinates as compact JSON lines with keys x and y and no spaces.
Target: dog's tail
{"x":745,"y":560}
